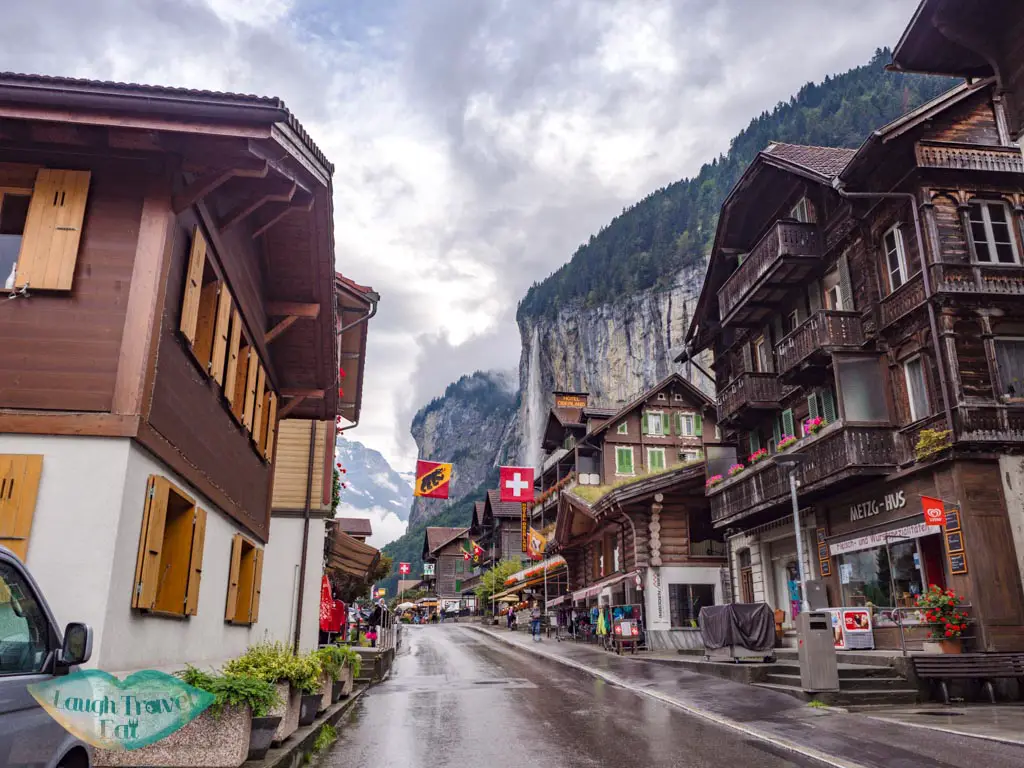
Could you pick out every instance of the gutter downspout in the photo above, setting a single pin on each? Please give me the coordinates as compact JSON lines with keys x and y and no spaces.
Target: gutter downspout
{"x":305,"y":533}
{"x":363,"y":319}
{"x":925,"y":280}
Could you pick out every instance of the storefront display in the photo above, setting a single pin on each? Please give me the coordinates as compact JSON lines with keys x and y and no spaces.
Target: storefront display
{"x":851,"y":629}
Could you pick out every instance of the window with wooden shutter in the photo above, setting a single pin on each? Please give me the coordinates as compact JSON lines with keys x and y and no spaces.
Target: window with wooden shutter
{"x":755,"y":442}
{"x":250,"y":389}
{"x":776,"y":432}
{"x":231,"y":357}
{"x":193,"y":286}
{"x":239,"y":389}
{"x":623,"y":460}
{"x":812,"y":406}
{"x":169,"y":564}
{"x":53,"y":230}
{"x":698,"y":424}
{"x":221,"y":330}
{"x":788,"y":425}
{"x":257,"y":418}
{"x":828,"y":406}
{"x":19,"y":487}
{"x":206,"y":320}
{"x":271,"y":428}
{"x":643,"y":424}
{"x":244,"y":581}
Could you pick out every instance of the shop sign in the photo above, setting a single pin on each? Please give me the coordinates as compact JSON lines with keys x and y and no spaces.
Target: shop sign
{"x":656,"y":581}
{"x":872,"y":507}
{"x":570,"y":401}
{"x":934,"y":511}
{"x":428,"y":569}
{"x":874,"y":540}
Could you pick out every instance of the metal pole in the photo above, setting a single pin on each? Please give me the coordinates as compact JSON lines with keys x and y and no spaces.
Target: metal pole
{"x":892,"y":594}
{"x":804,"y":605}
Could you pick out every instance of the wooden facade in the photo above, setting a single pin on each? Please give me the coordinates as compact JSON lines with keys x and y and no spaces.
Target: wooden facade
{"x":445,"y":547}
{"x":891,"y":349}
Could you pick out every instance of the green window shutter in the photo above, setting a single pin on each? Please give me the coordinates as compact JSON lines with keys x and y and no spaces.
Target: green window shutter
{"x":776,"y":431}
{"x":622,"y":462}
{"x":788,"y":426}
{"x":643,"y":423}
{"x":458,"y":585}
{"x":755,"y":442}
{"x":666,"y":423}
{"x":812,"y":406}
{"x":656,"y":460}
{"x":698,"y":425}
{"x":828,"y":406}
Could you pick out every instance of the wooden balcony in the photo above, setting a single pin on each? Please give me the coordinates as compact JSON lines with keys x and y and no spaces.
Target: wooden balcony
{"x":836,"y":455}
{"x":780,"y":260}
{"x":968,"y":157}
{"x":814,"y":340}
{"x":983,"y":281}
{"x":902,"y":301}
{"x":990,"y":423}
{"x":747,"y":393}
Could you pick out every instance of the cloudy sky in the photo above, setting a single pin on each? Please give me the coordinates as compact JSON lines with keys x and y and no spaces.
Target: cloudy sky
{"x":477,"y":142}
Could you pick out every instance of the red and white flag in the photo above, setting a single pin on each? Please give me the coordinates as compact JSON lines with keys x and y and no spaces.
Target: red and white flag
{"x":403,"y":569}
{"x":515,"y":483}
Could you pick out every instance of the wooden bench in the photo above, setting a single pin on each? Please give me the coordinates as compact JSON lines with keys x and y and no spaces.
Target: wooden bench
{"x":984,"y":667}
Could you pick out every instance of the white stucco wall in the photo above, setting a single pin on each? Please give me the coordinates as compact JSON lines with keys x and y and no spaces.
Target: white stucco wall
{"x":1011,"y":468}
{"x":656,"y":606}
{"x":71,"y":544}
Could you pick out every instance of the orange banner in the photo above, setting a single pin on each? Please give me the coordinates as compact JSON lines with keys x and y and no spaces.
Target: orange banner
{"x":432,"y":479}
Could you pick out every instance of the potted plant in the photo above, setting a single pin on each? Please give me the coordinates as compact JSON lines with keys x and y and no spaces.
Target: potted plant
{"x":735,"y":469}
{"x":785,"y":442}
{"x":759,"y":455}
{"x":276,"y":664}
{"x":236,"y":691}
{"x":353,"y":666}
{"x":947,"y":623}
{"x":814,"y":425}
{"x":308,"y":679}
{"x":713,"y":481}
{"x":332,"y":659}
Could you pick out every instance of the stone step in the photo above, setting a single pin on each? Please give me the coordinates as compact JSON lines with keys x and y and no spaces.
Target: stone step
{"x":846,"y":698}
{"x":846,"y":671}
{"x":849,"y":684}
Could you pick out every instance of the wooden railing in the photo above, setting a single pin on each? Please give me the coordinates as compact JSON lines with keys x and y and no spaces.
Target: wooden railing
{"x":989,"y":423}
{"x":756,"y":488}
{"x":969,"y":158}
{"x":1004,"y":279}
{"x":748,"y":388}
{"x":786,"y":238}
{"x":908,"y":436}
{"x":903,"y":300}
{"x":824,"y":329}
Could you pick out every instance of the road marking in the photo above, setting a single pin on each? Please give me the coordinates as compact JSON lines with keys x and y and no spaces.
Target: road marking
{"x":702,"y":714}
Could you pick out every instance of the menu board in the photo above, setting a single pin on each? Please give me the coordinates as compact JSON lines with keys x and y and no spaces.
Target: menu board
{"x":958,"y":563}
{"x":955,"y":541}
{"x":953,"y":519}
{"x":824,"y":563}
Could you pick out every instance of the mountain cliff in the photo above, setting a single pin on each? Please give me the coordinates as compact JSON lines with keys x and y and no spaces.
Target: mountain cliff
{"x":370,"y":482}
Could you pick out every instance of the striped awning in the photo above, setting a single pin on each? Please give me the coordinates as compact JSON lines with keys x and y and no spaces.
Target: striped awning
{"x":552,"y":563}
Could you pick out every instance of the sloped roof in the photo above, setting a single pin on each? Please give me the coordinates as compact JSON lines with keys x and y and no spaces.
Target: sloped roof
{"x":438,"y":537}
{"x":354,"y":526}
{"x":824,"y":161}
{"x":350,"y":555}
{"x":501,"y":508}
{"x":478,"y":512}
{"x":700,"y":399}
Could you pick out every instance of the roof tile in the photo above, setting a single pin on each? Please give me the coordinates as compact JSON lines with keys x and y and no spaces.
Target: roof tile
{"x":825,"y":161}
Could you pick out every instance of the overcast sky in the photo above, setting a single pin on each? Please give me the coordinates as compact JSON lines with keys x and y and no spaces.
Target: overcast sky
{"x":477,"y":143}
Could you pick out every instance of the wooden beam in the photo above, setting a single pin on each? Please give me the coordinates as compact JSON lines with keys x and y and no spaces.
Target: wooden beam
{"x":314,"y":394}
{"x":300,"y":309}
{"x":208,"y":182}
{"x":290,"y":406}
{"x":278,"y":193}
{"x":280,"y":328}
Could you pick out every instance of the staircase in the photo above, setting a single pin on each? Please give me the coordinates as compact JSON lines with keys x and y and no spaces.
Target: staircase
{"x":859,"y":684}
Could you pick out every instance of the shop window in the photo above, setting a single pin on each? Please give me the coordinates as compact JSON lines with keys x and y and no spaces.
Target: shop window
{"x":169,"y":565}
{"x":917,"y":390}
{"x":245,"y":582}
{"x":685,"y":602}
{"x":1010,"y":361}
{"x":655,"y":459}
{"x":26,"y":643}
{"x":43,"y":231}
{"x":868,"y":576}
{"x":895,"y":257}
{"x":19,"y":486}
{"x":991,"y":233}
{"x":623,"y":460}
{"x":862,"y":389}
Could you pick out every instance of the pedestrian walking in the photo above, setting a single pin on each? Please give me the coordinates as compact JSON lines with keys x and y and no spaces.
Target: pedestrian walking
{"x":510,"y":617}
{"x":535,"y":622}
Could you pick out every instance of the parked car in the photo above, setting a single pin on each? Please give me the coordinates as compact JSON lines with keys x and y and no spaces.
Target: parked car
{"x":32,"y":650}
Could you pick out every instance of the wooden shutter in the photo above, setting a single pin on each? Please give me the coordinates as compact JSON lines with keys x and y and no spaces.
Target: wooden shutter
{"x":257,"y":587}
{"x":845,"y":284}
{"x":231,"y":368}
{"x":151,"y":538}
{"x":828,"y":406}
{"x":666,"y":423}
{"x":788,"y":427}
{"x":257,"y":419}
{"x":202,"y":348}
{"x":193,"y":286}
{"x":53,"y":229}
{"x":814,"y":296}
{"x":812,"y":406}
{"x":698,"y":425}
{"x":220,"y":335}
{"x":268,"y":451}
{"x":19,"y":487}
{"x":195,"y":571}
{"x":250,"y":389}
{"x":643,"y":423}
{"x":624,"y":460}
{"x":234,"y":571}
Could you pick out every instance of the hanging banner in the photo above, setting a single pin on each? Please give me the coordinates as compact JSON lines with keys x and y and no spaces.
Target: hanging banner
{"x":524,"y":527}
{"x":433,"y":479}
{"x":515,"y":484}
{"x":934,"y":511}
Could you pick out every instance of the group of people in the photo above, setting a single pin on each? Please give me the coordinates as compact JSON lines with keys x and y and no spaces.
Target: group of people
{"x":535,"y":620}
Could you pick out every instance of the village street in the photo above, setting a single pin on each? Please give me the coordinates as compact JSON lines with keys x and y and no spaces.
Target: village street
{"x":458,"y":697}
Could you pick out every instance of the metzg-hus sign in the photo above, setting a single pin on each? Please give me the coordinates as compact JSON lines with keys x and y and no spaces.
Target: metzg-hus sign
{"x":872,"y":507}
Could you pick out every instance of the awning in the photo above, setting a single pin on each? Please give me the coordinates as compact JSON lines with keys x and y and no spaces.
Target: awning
{"x":557,"y":601}
{"x":350,"y":555}
{"x":593,"y":589}
{"x":536,"y":570}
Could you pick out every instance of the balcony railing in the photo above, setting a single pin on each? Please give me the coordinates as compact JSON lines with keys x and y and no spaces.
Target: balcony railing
{"x":836,"y":453}
{"x":989,"y":423}
{"x":902,"y":301}
{"x":969,"y":158}
{"x":823,"y":332}
{"x":988,"y":279}
{"x":783,"y":255}
{"x":749,"y":390}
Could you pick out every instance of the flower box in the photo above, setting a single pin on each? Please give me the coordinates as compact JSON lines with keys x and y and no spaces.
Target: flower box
{"x":759,"y":455}
{"x":786,"y":441}
{"x":713,"y":481}
{"x":814,"y":426}
{"x":735,"y":469}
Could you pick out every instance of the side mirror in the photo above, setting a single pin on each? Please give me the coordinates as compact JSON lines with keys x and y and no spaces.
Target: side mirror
{"x":77,"y":648}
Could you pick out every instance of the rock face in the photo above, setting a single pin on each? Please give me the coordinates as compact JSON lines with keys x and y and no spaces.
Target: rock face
{"x":470,"y":426}
{"x":613,"y":351}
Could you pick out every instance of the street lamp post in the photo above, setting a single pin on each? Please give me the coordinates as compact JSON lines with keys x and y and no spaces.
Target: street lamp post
{"x":791,"y":462}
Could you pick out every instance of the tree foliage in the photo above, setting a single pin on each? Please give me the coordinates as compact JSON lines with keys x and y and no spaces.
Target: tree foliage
{"x":493,"y":581}
{"x":672,"y":228}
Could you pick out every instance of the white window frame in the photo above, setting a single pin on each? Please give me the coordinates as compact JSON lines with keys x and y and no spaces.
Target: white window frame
{"x":761,"y":342}
{"x":999,"y":379}
{"x":990,"y":237}
{"x":656,"y":417}
{"x":662,"y":396}
{"x":691,"y":455}
{"x":661,"y":450}
{"x":901,"y":257}
{"x":632,"y":463}
{"x":802,"y":207}
{"x":916,"y":410}
{"x":793,"y":318}
{"x":677,"y":397}
{"x":718,"y":432}
{"x":686,"y":425}
{"x":833,"y":294}
{"x":623,"y":428}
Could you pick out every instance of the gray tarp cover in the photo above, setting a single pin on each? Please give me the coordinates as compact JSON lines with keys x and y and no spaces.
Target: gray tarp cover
{"x":748,"y":625}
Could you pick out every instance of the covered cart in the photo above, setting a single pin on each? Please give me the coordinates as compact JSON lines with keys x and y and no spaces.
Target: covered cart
{"x":738,"y":631}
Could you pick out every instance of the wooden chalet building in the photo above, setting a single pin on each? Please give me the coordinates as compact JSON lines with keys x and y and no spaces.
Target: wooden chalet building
{"x":359,"y":528}
{"x":154,"y":243}
{"x":635,"y":528}
{"x":881,"y":291}
{"x":444,"y":548}
{"x":501,"y":528}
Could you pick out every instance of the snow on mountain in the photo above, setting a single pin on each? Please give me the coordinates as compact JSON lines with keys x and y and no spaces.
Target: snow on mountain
{"x":373,"y":490}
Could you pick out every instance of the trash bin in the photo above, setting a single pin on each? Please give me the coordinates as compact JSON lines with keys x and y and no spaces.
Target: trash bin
{"x":819,"y":670}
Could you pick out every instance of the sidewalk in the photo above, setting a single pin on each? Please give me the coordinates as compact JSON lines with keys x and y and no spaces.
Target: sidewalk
{"x":833,"y":737}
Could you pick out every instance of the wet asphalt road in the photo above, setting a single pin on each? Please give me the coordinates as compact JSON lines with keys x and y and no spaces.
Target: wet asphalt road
{"x":457,"y":698}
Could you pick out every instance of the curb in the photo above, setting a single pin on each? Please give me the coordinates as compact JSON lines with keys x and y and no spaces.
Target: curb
{"x":925,"y":726}
{"x":724,"y":722}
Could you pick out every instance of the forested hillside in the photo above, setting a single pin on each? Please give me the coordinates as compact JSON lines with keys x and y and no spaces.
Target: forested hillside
{"x":673,"y":227}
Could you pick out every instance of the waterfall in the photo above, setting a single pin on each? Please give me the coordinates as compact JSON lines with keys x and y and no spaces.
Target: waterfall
{"x":536,"y":413}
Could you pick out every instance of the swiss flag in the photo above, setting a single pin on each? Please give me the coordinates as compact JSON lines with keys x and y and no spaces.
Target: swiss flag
{"x":516,"y":483}
{"x":403,"y":569}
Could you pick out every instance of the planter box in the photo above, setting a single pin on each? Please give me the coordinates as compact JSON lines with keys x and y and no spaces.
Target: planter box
{"x":308,"y":708}
{"x":206,"y":742}
{"x":942,"y":646}
{"x":287,"y":710}
{"x":349,"y":680}
{"x":261,"y":736}
{"x":326,"y":686}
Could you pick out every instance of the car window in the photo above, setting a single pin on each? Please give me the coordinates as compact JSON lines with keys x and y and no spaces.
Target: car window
{"x":24,"y":630}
